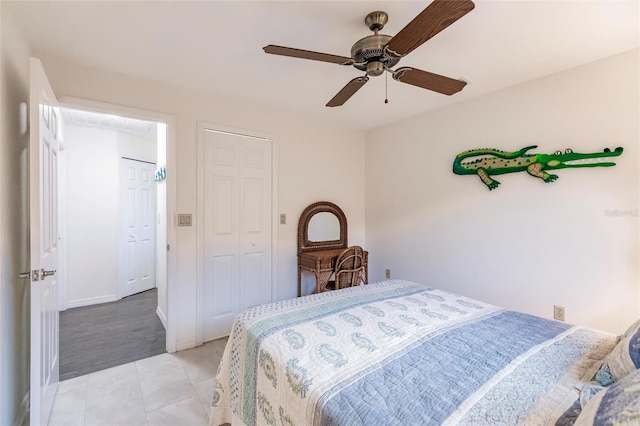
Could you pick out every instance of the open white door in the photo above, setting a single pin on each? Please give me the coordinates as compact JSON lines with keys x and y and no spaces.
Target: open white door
{"x":43,"y":199}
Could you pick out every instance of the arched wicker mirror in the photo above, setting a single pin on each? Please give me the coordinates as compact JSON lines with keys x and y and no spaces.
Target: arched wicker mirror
{"x":322,"y":226}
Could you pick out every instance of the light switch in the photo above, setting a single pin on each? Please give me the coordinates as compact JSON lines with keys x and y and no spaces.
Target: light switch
{"x":184,"y":219}
{"x":283,"y":219}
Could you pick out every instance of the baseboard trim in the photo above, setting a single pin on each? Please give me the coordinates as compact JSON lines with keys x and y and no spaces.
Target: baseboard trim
{"x":91,"y":301}
{"x":161,"y":315}
{"x":180,"y":346}
{"x":23,"y":414}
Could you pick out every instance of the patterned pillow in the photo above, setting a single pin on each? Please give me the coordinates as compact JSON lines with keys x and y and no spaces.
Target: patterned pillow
{"x":588,"y":391}
{"x":624,"y":358}
{"x":619,"y":404}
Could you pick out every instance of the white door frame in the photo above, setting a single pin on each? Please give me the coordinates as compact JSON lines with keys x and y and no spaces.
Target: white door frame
{"x":202,"y":125}
{"x":103,"y":107}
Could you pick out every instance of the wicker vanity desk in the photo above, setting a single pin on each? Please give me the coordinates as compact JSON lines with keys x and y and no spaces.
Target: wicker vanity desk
{"x":319,"y":256}
{"x":322,"y":263}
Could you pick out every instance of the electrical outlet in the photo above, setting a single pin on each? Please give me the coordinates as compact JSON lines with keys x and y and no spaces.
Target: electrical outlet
{"x":558,"y":312}
{"x":387,"y":273}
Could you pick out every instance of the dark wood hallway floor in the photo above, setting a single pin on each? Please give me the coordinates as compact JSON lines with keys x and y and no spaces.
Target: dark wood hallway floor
{"x":101,"y":336}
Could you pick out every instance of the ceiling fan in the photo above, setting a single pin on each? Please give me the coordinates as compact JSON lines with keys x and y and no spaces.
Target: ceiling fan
{"x":377,"y":53}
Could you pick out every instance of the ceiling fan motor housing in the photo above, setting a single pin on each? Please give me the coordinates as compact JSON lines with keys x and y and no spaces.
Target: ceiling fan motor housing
{"x":370,"y":50}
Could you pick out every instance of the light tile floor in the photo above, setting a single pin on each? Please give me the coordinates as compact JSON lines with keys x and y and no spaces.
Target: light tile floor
{"x":167,"y":389}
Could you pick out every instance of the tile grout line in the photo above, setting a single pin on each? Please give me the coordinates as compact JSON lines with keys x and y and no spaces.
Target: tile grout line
{"x":193,"y":387}
{"x":141,"y":393}
{"x":185,"y":363}
{"x":177,"y":360}
{"x":86,"y":399}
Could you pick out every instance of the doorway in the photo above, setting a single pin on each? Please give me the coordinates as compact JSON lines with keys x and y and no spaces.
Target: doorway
{"x":113,"y":203}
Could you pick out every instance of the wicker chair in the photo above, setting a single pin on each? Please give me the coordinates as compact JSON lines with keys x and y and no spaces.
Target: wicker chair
{"x":349,"y":270}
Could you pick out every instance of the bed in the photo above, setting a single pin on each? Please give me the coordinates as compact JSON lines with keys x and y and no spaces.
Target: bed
{"x":401,"y":353}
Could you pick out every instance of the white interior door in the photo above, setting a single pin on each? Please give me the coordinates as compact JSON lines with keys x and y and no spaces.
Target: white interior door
{"x":137,"y":270}
{"x":43,"y":199}
{"x":235,"y":231}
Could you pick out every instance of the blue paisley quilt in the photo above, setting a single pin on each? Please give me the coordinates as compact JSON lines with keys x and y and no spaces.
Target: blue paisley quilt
{"x":400,"y":353}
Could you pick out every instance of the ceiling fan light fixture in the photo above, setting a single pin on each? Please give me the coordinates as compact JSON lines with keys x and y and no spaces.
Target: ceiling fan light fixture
{"x":375,"y":68}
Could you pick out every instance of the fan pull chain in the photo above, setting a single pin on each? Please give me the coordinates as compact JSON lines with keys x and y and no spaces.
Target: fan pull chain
{"x":386,"y":84}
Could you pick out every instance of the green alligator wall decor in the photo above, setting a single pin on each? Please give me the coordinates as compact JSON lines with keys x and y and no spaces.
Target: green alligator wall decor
{"x":495,"y":162}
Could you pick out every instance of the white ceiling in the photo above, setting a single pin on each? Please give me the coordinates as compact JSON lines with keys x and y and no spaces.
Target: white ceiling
{"x":216,"y":46}
{"x":141,"y":128}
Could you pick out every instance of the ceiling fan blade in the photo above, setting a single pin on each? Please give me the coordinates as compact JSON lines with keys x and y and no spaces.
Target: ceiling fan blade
{"x":307,"y":54}
{"x":347,"y":91}
{"x":427,"y":80}
{"x":433,"y":19}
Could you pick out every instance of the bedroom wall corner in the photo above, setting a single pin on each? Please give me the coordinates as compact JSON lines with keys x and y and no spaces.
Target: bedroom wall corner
{"x":526,"y":245}
{"x":14,"y":217}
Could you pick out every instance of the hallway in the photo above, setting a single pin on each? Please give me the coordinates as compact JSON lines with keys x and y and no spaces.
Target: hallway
{"x":98,"y":337}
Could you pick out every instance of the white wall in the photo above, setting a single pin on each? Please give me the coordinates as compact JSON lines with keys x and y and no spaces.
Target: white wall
{"x":92,"y":191}
{"x":92,"y":215}
{"x":14,"y":219}
{"x":526,"y":245}
{"x":315,"y":160}
{"x":138,"y":147}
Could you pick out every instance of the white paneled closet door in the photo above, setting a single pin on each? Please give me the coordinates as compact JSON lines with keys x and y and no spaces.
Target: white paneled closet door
{"x":235,"y":232}
{"x":137,"y":253}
